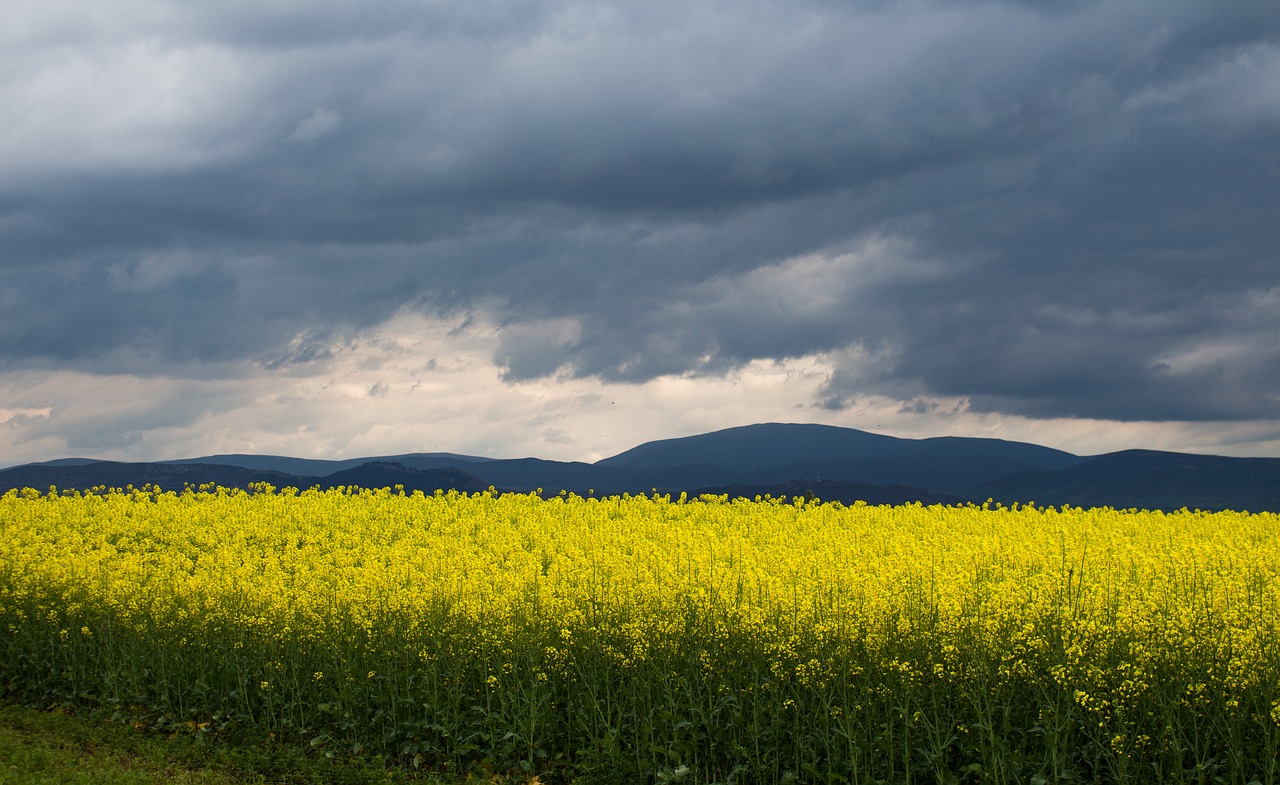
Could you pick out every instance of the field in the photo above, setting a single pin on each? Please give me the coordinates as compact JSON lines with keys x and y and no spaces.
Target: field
{"x":650,"y":639}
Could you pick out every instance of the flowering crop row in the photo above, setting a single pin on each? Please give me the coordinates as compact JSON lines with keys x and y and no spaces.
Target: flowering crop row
{"x":643,"y":638}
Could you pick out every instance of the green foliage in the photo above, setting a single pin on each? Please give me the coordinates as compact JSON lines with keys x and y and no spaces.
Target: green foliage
{"x":64,"y":745}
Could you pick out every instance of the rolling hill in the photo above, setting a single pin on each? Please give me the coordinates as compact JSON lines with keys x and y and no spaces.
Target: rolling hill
{"x":772,"y":458}
{"x":1147,"y":479}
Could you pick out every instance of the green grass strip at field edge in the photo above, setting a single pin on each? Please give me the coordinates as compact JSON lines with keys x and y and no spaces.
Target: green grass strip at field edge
{"x":65,"y":746}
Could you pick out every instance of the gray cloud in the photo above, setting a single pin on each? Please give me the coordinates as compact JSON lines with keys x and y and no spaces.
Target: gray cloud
{"x":319,"y":124}
{"x":1053,"y":212}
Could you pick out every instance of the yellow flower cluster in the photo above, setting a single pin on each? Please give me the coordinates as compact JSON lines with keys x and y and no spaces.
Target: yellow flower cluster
{"x":1088,"y":612}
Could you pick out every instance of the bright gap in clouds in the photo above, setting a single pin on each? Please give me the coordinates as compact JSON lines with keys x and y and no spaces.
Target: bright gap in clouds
{"x":416,"y":384}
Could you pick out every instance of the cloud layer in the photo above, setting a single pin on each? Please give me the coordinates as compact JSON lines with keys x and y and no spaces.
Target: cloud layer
{"x":1045,"y":214}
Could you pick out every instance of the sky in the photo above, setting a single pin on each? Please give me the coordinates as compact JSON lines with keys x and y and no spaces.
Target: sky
{"x":559,"y":229}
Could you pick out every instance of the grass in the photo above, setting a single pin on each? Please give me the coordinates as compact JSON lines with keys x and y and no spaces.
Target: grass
{"x":62,"y":746}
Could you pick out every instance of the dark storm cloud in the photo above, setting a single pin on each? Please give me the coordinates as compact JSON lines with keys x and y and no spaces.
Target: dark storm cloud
{"x":1053,"y":211}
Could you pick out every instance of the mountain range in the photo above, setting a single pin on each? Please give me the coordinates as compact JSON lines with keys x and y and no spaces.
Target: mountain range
{"x":782,"y":460}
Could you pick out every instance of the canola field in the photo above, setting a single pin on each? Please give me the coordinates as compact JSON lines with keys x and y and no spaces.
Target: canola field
{"x":651,"y":639}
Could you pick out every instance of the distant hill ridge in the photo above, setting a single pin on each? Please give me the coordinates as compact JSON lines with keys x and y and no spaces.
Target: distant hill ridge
{"x":175,"y":476}
{"x":772,"y":446}
{"x":777,"y":458}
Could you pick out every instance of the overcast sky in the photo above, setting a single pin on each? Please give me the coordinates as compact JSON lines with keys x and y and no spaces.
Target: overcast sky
{"x":553,"y":228}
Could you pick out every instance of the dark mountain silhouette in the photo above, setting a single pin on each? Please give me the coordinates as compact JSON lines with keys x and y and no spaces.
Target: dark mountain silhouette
{"x":756,"y":448}
{"x":777,"y":459}
{"x":387,"y":474}
{"x":777,"y":452}
{"x":1147,"y":479}
{"x":769,"y":447}
{"x":175,"y":476}
{"x":527,"y":474}
{"x":114,"y":474}
{"x":312,"y":467}
{"x":65,"y":462}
